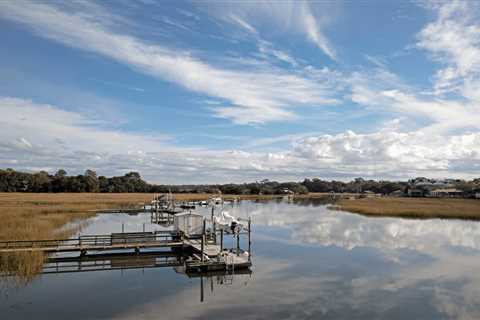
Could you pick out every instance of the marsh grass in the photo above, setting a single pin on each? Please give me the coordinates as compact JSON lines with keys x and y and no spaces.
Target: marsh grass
{"x":28,"y":216}
{"x":420,"y":208}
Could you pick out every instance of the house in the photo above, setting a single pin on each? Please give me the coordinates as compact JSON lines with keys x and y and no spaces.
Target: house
{"x":369,"y":194}
{"x":416,"y":192}
{"x":287,"y":191}
{"x":397,"y":193}
{"x":446,"y":193}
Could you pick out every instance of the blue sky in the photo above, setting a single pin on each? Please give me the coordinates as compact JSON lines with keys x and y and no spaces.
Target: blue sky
{"x":190,"y":91}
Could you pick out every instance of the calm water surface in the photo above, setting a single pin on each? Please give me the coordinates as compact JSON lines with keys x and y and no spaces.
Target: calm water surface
{"x":308,"y":263}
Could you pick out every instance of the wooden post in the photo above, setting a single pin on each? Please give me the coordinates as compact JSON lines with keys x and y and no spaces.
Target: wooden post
{"x":238,"y":244}
{"x":203,"y":243}
{"x":249,"y":238}
{"x":221,"y":240}
{"x":203,"y":238}
{"x":201,"y":288}
{"x":214,"y":231}
{"x":144,"y":227}
{"x":123,"y":227}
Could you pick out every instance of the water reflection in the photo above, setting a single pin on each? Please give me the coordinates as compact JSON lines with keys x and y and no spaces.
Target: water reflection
{"x":310,"y":263}
{"x":144,"y":260}
{"x":312,"y":223}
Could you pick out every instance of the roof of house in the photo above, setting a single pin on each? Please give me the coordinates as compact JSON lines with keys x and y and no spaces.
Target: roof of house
{"x":397,"y":191}
{"x":183,"y":214}
{"x":447,"y":190}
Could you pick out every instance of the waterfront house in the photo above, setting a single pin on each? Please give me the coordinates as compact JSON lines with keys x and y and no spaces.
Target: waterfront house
{"x":397,"y":193}
{"x":416,"y":192}
{"x":446,"y":193}
{"x":369,"y":194}
{"x":288,"y":191}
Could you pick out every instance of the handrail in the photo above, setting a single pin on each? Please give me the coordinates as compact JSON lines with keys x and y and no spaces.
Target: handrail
{"x":92,"y":240}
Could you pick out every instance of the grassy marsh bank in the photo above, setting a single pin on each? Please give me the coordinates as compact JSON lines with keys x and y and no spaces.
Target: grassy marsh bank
{"x":423,"y":208}
{"x":31,"y":216}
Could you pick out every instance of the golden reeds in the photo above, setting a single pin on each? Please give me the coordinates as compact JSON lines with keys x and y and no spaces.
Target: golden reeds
{"x":29,"y":216}
{"x":422,"y":208}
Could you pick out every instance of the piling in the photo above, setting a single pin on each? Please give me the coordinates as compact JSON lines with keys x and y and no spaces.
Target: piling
{"x":221,"y":240}
{"x":238,"y":244}
{"x":214,"y":233}
{"x":249,"y":239}
{"x":203,"y":239}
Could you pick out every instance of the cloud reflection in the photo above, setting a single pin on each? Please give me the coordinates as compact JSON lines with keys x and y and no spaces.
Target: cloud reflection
{"x":318,"y":225}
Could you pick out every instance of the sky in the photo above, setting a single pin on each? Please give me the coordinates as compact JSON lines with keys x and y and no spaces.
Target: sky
{"x":218,"y":92}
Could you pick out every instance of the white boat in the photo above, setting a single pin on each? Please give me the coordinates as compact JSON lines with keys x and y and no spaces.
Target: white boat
{"x":227,"y":222}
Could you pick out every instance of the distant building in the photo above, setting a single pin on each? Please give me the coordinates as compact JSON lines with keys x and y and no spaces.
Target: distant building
{"x":397,"y":193}
{"x":416,"y":192}
{"x":431,"y":184}
{"x":369,"y":194}
{"x":477,"y":195}
{"x":446,"y":193}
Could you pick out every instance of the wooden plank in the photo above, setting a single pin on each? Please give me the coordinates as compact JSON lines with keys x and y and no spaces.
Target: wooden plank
{"x":211,"y":250}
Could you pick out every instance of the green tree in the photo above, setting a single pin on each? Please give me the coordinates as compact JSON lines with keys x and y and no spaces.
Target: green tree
{"x":91,"y":181}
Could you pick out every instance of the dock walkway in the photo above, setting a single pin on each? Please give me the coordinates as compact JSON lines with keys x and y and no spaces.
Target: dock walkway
{"x":209,"y":249}
{"x":114,"y":241}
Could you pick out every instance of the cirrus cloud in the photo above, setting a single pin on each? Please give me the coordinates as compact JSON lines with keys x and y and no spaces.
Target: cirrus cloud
{"x":258,"y":95}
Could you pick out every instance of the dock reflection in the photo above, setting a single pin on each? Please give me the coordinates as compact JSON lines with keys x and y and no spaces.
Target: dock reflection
{"x":112,"y":261}
{"x":144,"y":260}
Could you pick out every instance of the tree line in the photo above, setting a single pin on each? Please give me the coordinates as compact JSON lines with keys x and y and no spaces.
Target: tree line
{"x":16,"y":181}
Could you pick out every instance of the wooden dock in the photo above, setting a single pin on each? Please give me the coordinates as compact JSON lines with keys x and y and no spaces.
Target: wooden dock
{"x":120,"y":210}
{"x":204,"y":246}
{"x":209,"y":249}
{"x":83,"y":244}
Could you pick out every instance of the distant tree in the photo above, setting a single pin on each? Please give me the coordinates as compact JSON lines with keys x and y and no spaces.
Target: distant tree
{"x":41,"y":182}
{"x":59,"y":181}
{"x":61,"y":173}
{"x":91,"y":181}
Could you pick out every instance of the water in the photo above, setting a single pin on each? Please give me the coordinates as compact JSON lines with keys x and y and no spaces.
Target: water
{"x":308,"y":263}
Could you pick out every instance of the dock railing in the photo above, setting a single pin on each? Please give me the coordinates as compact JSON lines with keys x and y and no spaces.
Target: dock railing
{"x":89,"y":241}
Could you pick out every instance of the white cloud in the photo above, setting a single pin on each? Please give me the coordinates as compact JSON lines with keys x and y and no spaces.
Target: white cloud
{"x":41,"y":126}
{"x":300,"y":17}
{"x":383,"y":91}
{"x":313,"y":32}
{"x":442,"y":138}
{"x":266,"y":48}
{"x":40,"y":136}
{"x":388,"y":153}
{"x":254,"y":96}
{"x":242,"y":23}
{"x":453,"y":39}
